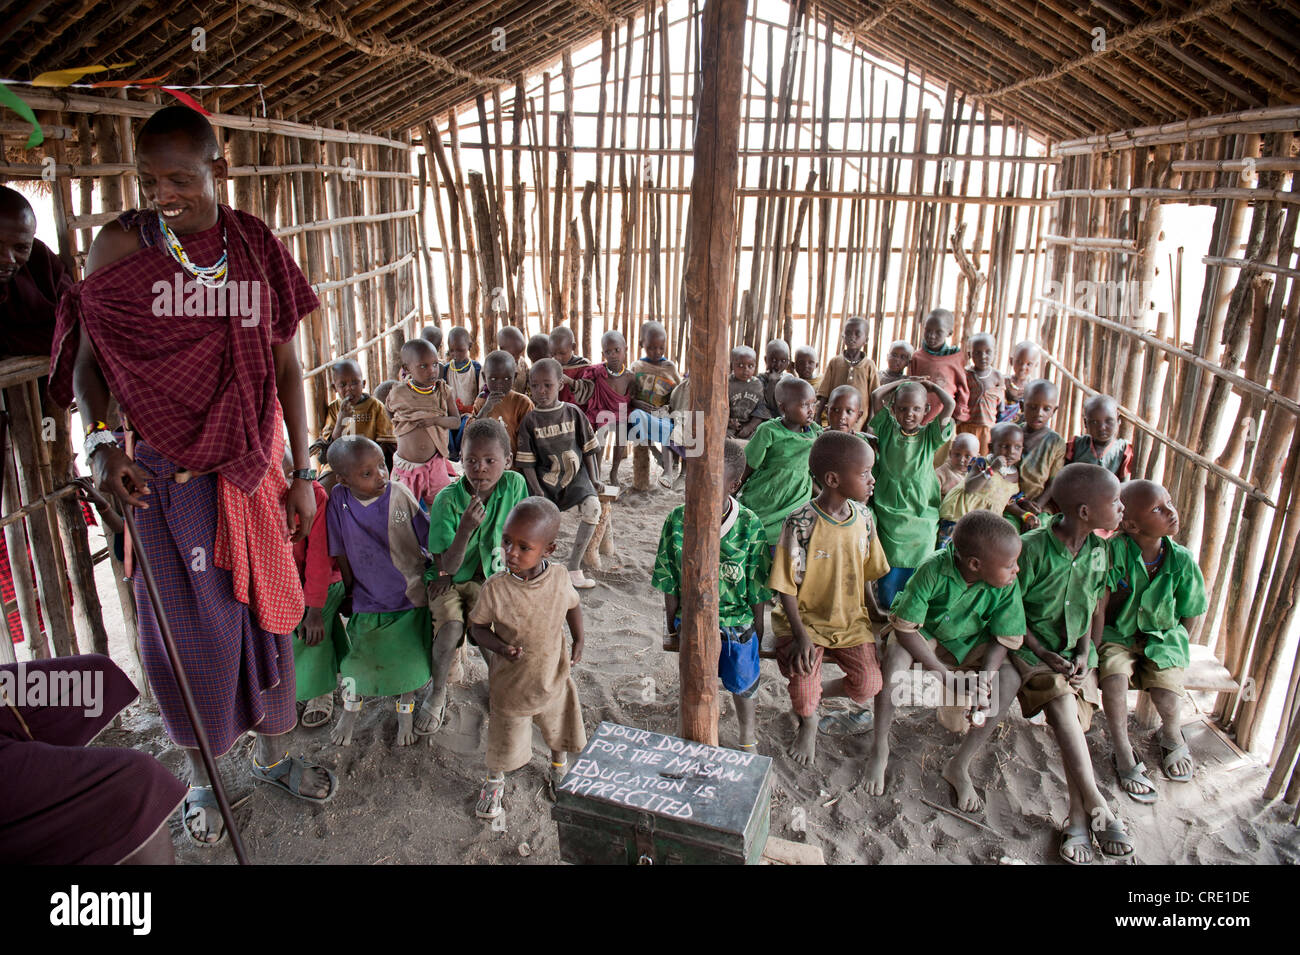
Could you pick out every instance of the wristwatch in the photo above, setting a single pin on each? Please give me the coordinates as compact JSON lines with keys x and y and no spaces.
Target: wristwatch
{"x":303,"y":474}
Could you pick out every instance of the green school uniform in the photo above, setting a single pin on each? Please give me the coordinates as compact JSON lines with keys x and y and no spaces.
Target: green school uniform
{"x":744,"y":563}
{"x":1154,"y":606}
{"x":957,"y":615}
{"x":1060,"y":590}
{"x":316,"y":669}
{"x":781,"y":480}
{"x":388,"y":653}
{"x":906,"y":500}
{"x":482,"y":553}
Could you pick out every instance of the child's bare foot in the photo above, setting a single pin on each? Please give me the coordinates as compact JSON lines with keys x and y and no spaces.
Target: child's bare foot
{"x":341,"y":735}
{"x":804,"y":748}
{"x":874,"y":782}
{"x":965,"y":797}
{"x":405,"y":720}
{"x":433,"y":710}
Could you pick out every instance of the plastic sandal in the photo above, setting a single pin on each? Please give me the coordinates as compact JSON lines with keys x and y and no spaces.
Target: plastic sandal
{"x":289,"y":778}
{"x":198,"y":802}
{"x":1136,"y":775}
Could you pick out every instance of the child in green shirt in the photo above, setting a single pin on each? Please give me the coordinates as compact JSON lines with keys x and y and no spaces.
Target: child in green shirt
{"x":907,"y":489}
{"x":465,"y":524}
{"x":959,"y":611}
{"x":826,"y":559}
{"x":744,"y":563}
{"x":1155,"y":589}
{"x":1063,"y":569}
{"x":776,"y":479}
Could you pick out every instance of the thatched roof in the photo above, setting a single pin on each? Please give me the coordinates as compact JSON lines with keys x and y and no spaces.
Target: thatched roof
{"x":386,"y":66}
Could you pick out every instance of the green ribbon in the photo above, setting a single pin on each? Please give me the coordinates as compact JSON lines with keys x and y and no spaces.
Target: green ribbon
{"x":9,"y":98}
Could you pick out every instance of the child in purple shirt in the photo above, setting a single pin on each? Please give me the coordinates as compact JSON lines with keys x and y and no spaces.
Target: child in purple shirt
{"x":375,"y":529}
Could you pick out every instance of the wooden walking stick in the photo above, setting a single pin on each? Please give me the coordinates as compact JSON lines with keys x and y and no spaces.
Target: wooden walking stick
{"x":183,"y":684}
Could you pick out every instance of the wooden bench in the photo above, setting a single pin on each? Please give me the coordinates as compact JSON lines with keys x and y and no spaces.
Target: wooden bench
{"x":1204,"y":672}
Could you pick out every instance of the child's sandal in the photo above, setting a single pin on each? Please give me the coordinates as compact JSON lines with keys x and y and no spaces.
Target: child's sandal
{"x":489,"y":799}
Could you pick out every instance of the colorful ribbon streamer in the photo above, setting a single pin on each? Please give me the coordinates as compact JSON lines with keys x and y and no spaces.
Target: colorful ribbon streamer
{"x":72,"y":74}
{"x":9,"y":98}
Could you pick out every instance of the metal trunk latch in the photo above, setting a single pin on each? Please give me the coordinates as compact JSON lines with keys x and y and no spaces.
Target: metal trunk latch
{"x":645,"y":839}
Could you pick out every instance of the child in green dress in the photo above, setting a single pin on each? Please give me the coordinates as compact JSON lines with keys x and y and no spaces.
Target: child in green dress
{"x":906,"y":501}
{"x":776,"y":479}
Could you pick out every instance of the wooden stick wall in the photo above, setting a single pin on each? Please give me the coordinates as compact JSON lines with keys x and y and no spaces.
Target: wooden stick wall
{"x":845,"y":207}
{"x":1211,"y":390}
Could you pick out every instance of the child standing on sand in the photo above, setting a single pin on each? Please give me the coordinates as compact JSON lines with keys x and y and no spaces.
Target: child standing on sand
{"x":559,"y":458}
{"x":744,"y":563}
{"x":906,"y":502}
{"x":465,"y":523}
{"x":519,"y":619}
{"x":776,"y":478}
{"x":375,"y":529}
{"x":827,"y":556}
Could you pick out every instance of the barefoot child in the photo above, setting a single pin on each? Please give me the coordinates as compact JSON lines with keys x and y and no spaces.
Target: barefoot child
{"x":611,"y":385}
{"x":844,"y":411}
{"x":776,"y":364}
{"x":519,"y":620}
{"x":986,"y":388}
{"x":776,"y":479}
{"x":423,"y":413}
{"x":464,"y":380}
{"x":805,"y":364}
{"x":963,"y":450}
{"x":376,"y":529}
{"x":1154,"y":592}
{"x":1044,"y":452}
{"x":656,"y":376}
{"x":992,"y":484}
{"x":352,"y":412}
{"x":511,"y":340}
{"x":744,"y":563}
{"x":940,"y":362}
{"x":1099,"y":445}
{"x":559,"y":459}
{"x":907,"y":500}
{"x":502,"y":401}
{"x":827,"y":556}
{"x":319,"y":642}
{"x":850,"y":367}
{"x":746,"y":409}
{"x":960,"y":611}
{"x":1063,"y":572}
{"x":1025,"y":361}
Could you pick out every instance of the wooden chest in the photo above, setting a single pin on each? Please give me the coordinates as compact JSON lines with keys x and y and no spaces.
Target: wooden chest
{"x":638,"y":797}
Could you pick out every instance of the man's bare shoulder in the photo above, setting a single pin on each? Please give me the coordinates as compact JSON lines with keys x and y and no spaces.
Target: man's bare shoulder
{"x":112,"y":244}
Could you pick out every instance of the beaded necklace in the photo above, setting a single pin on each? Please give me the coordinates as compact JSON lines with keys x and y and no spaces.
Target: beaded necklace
{"x":460,"y":370}
{"x":212,"y":276}
{"x":545,"y":563}
{"x":1159,"y":556}
{"x":614,"y":374}
{"x":421,"y":391}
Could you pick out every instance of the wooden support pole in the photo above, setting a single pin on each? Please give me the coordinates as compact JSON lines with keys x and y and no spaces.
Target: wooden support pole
{"x":708,"y":295}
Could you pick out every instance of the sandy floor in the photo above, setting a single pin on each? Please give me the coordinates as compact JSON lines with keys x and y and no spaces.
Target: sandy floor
{"x":415,"y":804}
